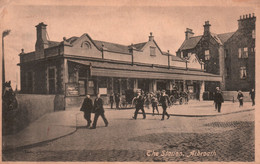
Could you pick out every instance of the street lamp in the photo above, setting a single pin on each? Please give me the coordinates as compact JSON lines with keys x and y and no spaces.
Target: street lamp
{"x":4,"y":34}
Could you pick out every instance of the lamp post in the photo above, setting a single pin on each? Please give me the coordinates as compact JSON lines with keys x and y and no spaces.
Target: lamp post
{"x":4,"y":34}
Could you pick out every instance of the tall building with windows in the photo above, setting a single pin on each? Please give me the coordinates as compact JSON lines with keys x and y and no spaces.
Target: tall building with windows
{"x":230,"y":55}
{"x":240,"y":56}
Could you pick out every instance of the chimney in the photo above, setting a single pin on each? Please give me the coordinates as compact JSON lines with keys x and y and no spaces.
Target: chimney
{"x":188,"y":33}
{"x":151,"y":37}
{"x":41,"y":40}
{"x":206,"y":28}
{"x":247,"y":21}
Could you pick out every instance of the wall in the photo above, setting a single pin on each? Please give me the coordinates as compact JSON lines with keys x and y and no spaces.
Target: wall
{"x":30,"y":108}
{"x":117,"y":56}
{"x":38,"y":105}
{"x":145,"y":57}
{"x":229,"y":95}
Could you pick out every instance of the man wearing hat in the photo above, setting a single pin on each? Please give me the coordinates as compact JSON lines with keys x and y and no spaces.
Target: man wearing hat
{"x":139,"y":99}
{"x":165,"y":101}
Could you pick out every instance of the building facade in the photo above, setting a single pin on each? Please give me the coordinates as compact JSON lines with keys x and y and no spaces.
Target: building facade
{"x":78,"y":66}
{"x":240,"y":56}
{"x":225,"y":54}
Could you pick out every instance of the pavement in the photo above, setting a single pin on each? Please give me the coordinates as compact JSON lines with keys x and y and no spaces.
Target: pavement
{"x":56,"y":125}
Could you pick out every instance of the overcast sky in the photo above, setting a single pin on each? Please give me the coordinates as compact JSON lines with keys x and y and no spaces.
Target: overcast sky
{"x":123,"y":24}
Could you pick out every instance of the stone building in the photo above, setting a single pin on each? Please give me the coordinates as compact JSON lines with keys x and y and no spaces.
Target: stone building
{"x":240,"y":56}
{"x":78,"y":66}
{"x":219,"y":53}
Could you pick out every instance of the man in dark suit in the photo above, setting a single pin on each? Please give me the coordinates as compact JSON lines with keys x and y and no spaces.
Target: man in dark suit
{"x":252,"y":94}
{"x":99,"y":111}
{"x":87,"y":107}
{"x":139,"y":104}
{"x":218,"y":99}
{"x":117,"y":100}
{"x":165,"y":101}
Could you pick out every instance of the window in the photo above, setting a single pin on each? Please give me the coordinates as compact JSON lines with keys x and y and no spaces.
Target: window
{"x":239,"y":53}
{"x":30,"y":82}
{"x":181,"y":54}
{"x":207,"y":55}
{"x":243,"y":72}
{"x":86,"y":45}
{"x":226,"y":53}
{"x":152,"y":51}
{"x":245,"y":54}
{"x":51,"y":80}
{"x":82,"y":89}
{"x":253,"y":34}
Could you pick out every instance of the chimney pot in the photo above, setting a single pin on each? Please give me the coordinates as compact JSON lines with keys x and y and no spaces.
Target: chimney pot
{"x":246,"y":15}
{"x":22,"y":50}
{"x":240,"y":17}
{"x":151,"y":37}
{"x":249,"y":15}
{"x":253,"y":14}
{"x":243,"y":16}
{"x":64,"y":38}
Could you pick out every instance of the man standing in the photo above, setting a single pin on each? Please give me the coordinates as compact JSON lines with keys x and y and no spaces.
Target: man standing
{"x":111,"y":99}
{"x":99,"y":111}
{"x":139,"y":99}
{"x":252,"y":94}
{"x":165,"y":101}
{"x":240,"y":97}
{"x":117,"y":99}
{"x":218,"y":99}
{"x":87,"y":107}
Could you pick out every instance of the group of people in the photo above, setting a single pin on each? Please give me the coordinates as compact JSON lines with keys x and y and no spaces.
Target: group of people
{"x":88,"y":107}
{"x":114,"y":98}
{"x":140,"y":100}
{"x":218,"y":98}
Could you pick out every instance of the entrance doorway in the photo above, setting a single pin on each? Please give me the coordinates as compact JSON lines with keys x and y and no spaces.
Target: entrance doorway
{"x":161,"y":85}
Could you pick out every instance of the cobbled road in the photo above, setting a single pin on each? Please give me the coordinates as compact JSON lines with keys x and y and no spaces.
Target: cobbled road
{"x":222,"y":138}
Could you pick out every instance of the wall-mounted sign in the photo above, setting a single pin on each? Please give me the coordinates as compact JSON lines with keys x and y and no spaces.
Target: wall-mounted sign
{"x":72,"y":89}
{"x":102,"y":91}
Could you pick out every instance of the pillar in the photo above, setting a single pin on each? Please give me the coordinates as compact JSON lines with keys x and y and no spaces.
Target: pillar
{"x":184,"y":86}
{"x":151,"y":85}
{"x":222,"y":66}
{"x":154,"y":85}
{"x":66,"y":74}
{"x":135,"y":84}
{"x":202,"y":89}
{"x":120,"y":86}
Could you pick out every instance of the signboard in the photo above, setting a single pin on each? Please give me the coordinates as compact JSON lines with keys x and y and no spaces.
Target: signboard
{"x":72,"y":89}
{"x":102,"y":91}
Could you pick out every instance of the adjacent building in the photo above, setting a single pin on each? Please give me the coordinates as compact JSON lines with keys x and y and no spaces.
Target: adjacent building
{"x":81,"y":65}
{"x":230,"y":55}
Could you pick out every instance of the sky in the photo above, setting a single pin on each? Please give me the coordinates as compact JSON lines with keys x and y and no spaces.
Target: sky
{"x":123,"y":22}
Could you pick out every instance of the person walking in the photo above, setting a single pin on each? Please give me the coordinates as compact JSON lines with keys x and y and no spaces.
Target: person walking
{"x":99,"y":111}
{"x":240,"y":98}
{"x":111,"y":99}
{"x":117,"y":99}
{"x":154,"y":101}
{"x":87,"y":107}
{"x":165,"y":101}
{"x":252,"y":94}
{"x":218,"y":99}
{"x":139,"y":104}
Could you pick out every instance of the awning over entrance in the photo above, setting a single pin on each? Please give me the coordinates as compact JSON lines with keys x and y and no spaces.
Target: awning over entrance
{"x":145,"y":72}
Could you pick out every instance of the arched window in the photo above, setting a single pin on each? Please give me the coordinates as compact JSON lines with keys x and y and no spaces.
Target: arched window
{"x":86,"y":45}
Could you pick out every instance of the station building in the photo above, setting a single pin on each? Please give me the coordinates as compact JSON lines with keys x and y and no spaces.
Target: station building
{"x":81,"y":65}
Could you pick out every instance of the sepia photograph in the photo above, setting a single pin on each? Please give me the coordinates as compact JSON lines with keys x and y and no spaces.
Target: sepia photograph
{"x":128,"y":81}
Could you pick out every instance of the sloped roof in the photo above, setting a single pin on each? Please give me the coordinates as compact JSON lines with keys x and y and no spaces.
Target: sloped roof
{"x":112,"y":46}
{"x":173,"y":57}
{"x":224,"y":37}
{"x":193,"y":41}
{"x":139,"y":46}
{"x":53,"y":43}
{"x":190,"y":43}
